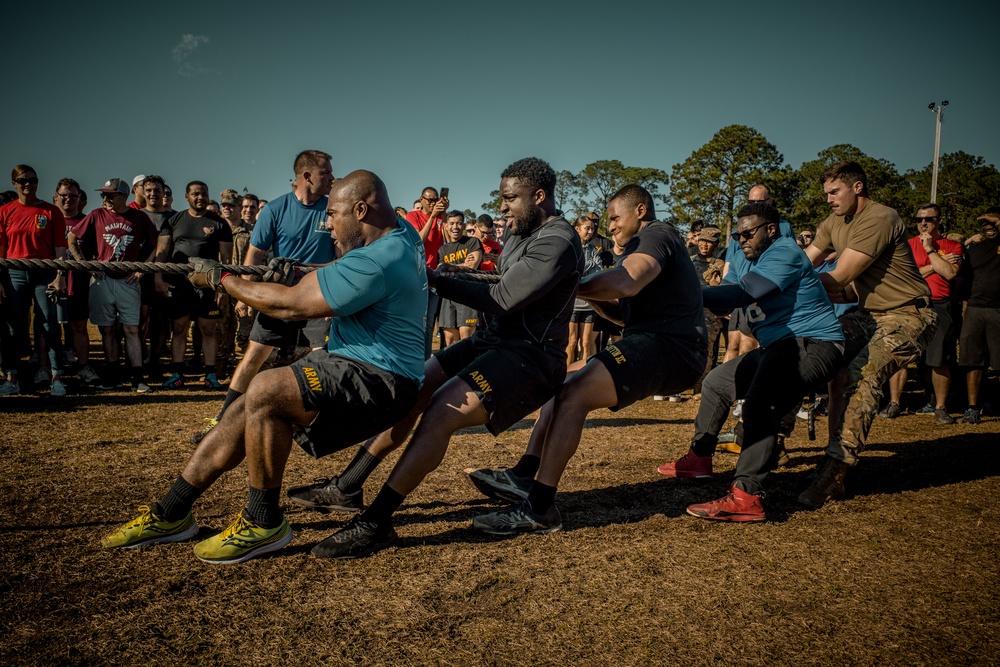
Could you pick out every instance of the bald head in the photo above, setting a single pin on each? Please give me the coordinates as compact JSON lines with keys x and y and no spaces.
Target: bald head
{"x":359,"y":211}
{"x":760,"y":193}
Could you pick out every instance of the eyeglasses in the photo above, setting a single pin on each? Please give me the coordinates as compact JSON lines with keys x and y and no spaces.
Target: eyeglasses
{"x":31,"y":180}
{"x":932,"y":218}
{"x":430,"y":200}
{"x":228,"y":205}
{"x":71,"y":195}
{"x":806,"y":236}
{"x":747,"y":234}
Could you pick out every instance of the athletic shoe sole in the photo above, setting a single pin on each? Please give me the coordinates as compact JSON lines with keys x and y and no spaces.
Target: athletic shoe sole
{"x":735,"y":518}
{"x":490,"y":491}
{"x":182,"y":536}
{"x":259,"y":551}
{"x":507,"y":532}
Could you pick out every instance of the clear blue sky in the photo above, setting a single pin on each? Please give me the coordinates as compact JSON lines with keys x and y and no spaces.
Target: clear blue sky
{"x":448,"y":94}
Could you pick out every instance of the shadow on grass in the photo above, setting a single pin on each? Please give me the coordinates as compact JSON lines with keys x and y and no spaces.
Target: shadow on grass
{"x":913,"y":466}
{"x":36,"y":403}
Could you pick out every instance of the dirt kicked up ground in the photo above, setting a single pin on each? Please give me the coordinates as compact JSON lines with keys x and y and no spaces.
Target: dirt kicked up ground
{"x":906,"y":571}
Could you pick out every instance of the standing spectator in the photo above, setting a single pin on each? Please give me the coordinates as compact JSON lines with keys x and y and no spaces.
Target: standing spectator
{"x":491,"y":248}
{"x":195,"y":232}
{"x":709,"y":268}
{"x":68,"y":199}
{"x":805,"y":239}
{"x":980,"y":339}
{"x":938,"y":260}
{"x":31,"y":229}
{"x":153,"y":324}
{"x":120,"y":234}
{"x":581,"y":323}
{"x":168,"y":199}
{"x":138,"y":193}
{"x":292,"y":226}
{"x":427,"y":220}
{"x":458,"y":321}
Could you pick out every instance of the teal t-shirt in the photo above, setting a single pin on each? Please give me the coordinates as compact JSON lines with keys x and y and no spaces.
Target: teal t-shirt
{"x":379,"y":293}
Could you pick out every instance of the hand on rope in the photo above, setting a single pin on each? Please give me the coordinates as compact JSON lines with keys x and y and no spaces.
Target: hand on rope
{"x":207,"y":273}
{"x":283,"y":271}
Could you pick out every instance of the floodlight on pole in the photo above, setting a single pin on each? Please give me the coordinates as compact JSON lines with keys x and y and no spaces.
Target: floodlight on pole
{"x":936,"y":108}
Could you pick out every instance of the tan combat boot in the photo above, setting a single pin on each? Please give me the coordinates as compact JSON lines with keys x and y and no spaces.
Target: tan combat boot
{"x":829,"y":485}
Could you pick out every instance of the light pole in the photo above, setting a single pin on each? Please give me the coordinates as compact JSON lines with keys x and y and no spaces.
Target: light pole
{"x":936,"y":108}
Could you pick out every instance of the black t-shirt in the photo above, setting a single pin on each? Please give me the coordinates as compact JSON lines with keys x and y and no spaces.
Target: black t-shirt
{"x":981,"y":271}
{"x":534,"y":299}
{"x":157,"y":217}
{"x":196,"y":237}
{"x":672,"y":302}
{"x":457,"y":251}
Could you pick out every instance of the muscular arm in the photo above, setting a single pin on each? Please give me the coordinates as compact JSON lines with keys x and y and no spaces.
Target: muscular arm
{"x":225,"y":252}
{"x":609,"y":310}
{"x":817,"y":256}
{"x":164,"y":244}
{"x":637,"y":271}
{"x":940,"y":266}
{"x":850,"y":265}
{"x":750,"y":289}
{"x":527,"y":279}
{"x":303,"y":301}
{"x":74,"y":247}
{"x":473,"y":259}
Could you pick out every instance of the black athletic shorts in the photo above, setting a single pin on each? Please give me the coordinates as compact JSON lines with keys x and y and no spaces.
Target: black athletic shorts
{"x":271,"y":331}
{"x":454,"y":315}
{"x":582,"y":317}
{"x":941,"y":348}
{"x":980,"y":337}
{"x":643,"y":364}
{"x":185,"y":300}
{"x":512,"y":378}
{"x":147,"y":288}
{"x":355,"y":401}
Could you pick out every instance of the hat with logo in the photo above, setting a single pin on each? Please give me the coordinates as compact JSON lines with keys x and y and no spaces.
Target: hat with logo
{"x":115,"y":185}
{"x":711,"y":234}
{"x":138,"y":179}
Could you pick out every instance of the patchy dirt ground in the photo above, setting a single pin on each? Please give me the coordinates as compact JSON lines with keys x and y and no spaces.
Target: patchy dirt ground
{"x":906,"y":571}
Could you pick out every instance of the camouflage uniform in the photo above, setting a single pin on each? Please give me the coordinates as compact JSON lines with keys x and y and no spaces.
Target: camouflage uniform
{"x":230,"y":325}
{"x":899,"y":337}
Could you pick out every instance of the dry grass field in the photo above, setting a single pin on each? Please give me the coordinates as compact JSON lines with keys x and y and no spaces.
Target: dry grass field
{"x":906,"y":571}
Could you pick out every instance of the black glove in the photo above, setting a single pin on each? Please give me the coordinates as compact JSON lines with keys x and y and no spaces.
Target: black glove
{"x":282,"y":270}
{"x":207,"y":273}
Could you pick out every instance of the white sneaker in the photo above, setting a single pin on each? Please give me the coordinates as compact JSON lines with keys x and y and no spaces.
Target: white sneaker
{"x":802,"y":414}
{"x":88,"y":375}
{"x":8,"y":388}
{"x":43,"y":376}
{"x":141,"y":388}
{"x":658,"y":397}
{"x":58,"y":388}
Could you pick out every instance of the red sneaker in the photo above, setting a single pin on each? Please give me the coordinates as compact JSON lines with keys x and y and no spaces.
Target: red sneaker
{"x":737,"y":505}
{"x":689,"y":466}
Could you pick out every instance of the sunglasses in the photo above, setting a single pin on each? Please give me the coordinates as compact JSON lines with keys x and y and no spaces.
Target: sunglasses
{"x":109,"y":195}
{"x":747,"y":234}
{"x":932,"y":218}
{"x":27,"y":181}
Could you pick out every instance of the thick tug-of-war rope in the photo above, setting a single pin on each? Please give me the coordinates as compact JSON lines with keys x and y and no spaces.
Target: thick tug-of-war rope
{"x":175,"y":268}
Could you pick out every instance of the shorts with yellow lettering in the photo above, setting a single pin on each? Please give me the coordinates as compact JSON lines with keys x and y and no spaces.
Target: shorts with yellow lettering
{"x":512,"y":378}
{"x":643,"y":364}
{"x":355,"y":401}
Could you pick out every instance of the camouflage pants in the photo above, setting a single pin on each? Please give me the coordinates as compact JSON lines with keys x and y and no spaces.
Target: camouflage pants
{"x":899,"y":338}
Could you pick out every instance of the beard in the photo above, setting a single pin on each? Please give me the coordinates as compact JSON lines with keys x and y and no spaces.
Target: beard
{"x":527,"y":224}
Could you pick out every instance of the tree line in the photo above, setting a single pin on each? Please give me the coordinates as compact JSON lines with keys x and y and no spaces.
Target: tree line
{"x":712,"y":184}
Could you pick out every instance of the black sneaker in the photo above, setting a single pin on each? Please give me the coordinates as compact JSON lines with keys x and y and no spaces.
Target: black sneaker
{"x":325,"y":494}
{"x":891,"y":411}
{"x":356,"y":540}
{"x":971,"y":416}
{"x":500,"y":484}
{"x":941,"y":414}
{"x":519,"y":519}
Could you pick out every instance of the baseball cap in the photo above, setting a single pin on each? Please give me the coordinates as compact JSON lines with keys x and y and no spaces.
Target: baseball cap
{"x":115,"y":185}
{"x":138,"y":179}
{"x":229,"y":197}
{"x":710,"y":234}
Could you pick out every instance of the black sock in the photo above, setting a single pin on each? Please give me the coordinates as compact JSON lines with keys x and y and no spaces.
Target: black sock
{"x":354,"y":476}
{"x":137,"y":376}
{"x":263,"y":508}
{"x":386,"y":502}
{"x":527,"y":467}
{"x":111,"y":374}
{"x":177,"y":367}
{"x":178,"y":501}
{"x":209,"y":368}
{"x":231,"y":395}
{"x":541,"y":497}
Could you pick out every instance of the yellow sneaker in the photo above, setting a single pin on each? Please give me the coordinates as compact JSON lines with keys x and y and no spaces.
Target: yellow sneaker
{"x":241,"y":541}
{"x":147,"y":528}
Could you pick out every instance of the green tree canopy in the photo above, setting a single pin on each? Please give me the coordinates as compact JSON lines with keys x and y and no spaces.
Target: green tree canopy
{"x":967,"y":186}
{"x":713,"y":183}
{"x":590,"y":189}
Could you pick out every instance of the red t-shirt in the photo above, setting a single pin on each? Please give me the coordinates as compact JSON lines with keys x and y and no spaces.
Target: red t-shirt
{"x":940,"y":288}
{"x":76,"y":281}
{"x":435,"y":239}
{"x":119,"y":237}
{"x":33,"y":231}
{"x":134,"y":205}
{"x":489,"y":245}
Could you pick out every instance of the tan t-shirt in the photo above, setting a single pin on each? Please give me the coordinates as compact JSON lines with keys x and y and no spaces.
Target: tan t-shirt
{"x":876,"y":230}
